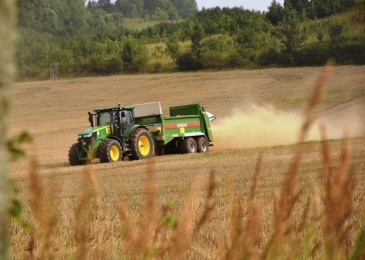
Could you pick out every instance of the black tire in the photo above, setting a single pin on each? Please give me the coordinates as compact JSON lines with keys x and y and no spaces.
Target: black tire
{"x":110,"y":150}
{"x":188,"y":145}
{"x":73,"y":156}
{"x":203,"y":144}
{"x":141,"y":144}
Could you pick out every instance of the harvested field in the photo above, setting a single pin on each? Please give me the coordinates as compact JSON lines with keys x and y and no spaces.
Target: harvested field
{"x":259,"y":113}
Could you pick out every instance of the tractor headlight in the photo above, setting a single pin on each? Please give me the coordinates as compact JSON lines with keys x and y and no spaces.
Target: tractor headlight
{"x":85,"y":136}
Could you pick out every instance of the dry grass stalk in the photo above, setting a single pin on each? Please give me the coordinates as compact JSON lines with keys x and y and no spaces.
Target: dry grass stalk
{"x":233,"y":245}
{"x":100,"y":214}
{"x":144,"y":242}
{"x":245,"y":239}
{"x":253,"y":228}
{"x":43,"y":212}
{"x":83,"y":216}
{"x":151,"y":241}
{"x":125,"y":216}
{"x":327,"y":174}
{"x":284,"y":204}
{"x":314,"y":100}
{"x":158,"y":234}
{"x":359,"y":249}
{"x":209,"y":204}
{"x":338,"y":205}
{"x":283,"y":207}
{"x":182,"y":234}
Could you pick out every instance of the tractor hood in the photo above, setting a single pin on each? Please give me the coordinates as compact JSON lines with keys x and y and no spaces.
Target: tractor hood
{"x":96,"y":129}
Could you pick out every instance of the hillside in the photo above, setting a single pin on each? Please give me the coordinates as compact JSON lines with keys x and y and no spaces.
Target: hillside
{"x":97,"y":41}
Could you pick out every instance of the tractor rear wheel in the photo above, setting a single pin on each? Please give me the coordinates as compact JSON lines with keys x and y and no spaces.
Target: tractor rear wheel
{"x":73,"y":156}
{"x":141,"y":144}
{"x":203,"y":145}
{"x":110,"y":151}
{"x":188,"y":145}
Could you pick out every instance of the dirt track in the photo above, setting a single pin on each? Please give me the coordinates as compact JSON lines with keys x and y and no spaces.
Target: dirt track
{"x":55,"y":111}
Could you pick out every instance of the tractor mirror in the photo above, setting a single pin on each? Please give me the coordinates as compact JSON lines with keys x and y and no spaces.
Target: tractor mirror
{"x":91,"y":119}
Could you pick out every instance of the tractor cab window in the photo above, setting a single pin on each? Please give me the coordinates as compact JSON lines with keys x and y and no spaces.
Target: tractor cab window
{"x":104,"y":118}
{"x":128,"y":118}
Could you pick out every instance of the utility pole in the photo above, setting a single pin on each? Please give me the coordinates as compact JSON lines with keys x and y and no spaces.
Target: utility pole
{"x":7,"y":69}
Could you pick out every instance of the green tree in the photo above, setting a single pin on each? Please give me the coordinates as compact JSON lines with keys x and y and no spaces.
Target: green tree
{"x":186,"y":8}
{"x":293,"y":33}
{"x":173,"y":47}
{"x":275,"y":13}
{"x":92,"y":5}
{"x":187,"y":62}
{"x":196,"y":39}
{"x":335,"y":33}
{"x":130,"y":8}
{"x":150,"y":5}
{"x":324,"y":8}
{"x":298,"y":5}
{"x":76,"y":17}
{"x":159,"y":15}
{"x":133,"y":55}
{"x":57,"y":17}
{"x":106,"y":5}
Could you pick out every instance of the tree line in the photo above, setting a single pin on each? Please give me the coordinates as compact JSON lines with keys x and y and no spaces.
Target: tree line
{"x":71,"y":17}
{"x":93,"y":39}
{"x":157,"y":10}
{"x":311,"y":9}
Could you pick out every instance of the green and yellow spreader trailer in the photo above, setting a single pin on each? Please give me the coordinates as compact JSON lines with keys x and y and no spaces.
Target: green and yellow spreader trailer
{"x":140,"y":131}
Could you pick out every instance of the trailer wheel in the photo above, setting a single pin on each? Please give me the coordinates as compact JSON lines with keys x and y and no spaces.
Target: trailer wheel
{"x":141,"y":144}
{"x":188,"y":145}
{"x":73,"y":156}
{"x":110,"y":151}
{"x":203,"y":145}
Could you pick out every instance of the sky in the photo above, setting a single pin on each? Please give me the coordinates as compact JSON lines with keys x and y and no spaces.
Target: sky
{"x":260,"y":5}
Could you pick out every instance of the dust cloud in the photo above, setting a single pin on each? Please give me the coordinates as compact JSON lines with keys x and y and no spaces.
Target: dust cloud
{"x":262,"y":126}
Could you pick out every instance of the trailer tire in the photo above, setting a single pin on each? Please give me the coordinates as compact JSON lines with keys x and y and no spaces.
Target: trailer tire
{"x":188,"y":145}
{"x":141,"y":144}
{"x":203,"y":144}
{"x":73,"y":156}
{"x":110,"y":150}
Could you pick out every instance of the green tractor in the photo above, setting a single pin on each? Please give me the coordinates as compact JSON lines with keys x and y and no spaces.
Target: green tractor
{"x":112,"y":136}
{"x":141,"y":130}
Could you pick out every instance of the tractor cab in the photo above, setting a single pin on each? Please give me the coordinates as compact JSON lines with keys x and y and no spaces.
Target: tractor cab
{"x":119,"y":118}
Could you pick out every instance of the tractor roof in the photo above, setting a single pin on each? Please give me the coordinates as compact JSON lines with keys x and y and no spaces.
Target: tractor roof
{"x":106,"y":109}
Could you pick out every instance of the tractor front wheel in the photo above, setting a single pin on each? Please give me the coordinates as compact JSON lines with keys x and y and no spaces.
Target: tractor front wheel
{"x":110,"y":151}
{"x":73,"y":156}
{"x":141,"y":144}
{"x":188,"y":145}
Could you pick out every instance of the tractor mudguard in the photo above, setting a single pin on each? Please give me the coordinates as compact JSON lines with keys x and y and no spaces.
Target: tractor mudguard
{"x":132,"y":129}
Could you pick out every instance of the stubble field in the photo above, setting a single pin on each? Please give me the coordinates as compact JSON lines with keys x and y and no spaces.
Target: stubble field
{"x":259,"y":113}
